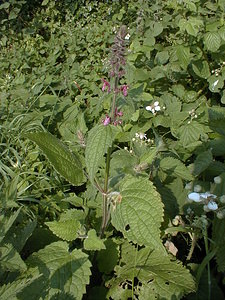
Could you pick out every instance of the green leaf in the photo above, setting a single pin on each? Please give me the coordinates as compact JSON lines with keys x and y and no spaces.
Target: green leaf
{"x":218,"y":237}
{"x":149,"y":156}
{"x":202,"y":162}
{"x":62,"y":270}
{"x":183,"y":55}
{"x":212,"y":41}
{"x":10,"y":259}
{"x":66,"y":163}
{"x":99,"y":139}
{"x":216,"y":83}
{"x":66,"y":229}
{"x":161,"y":276}
{"x":6,"y":223}
{"x":105,"y":264}
{"x":140,"y":213}
{"x":201,"y":68}
{"x":92,"y":242}
{"x":217,"y":119}
{"x":11,"y":290}
{"x":190,"y":133}
{"x":175,"y":168}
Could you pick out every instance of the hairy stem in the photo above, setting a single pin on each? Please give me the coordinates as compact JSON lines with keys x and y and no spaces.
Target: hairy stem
{"x":105,"y":210}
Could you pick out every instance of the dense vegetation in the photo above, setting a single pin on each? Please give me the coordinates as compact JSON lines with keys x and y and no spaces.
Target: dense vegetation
{"x":112,"y":149}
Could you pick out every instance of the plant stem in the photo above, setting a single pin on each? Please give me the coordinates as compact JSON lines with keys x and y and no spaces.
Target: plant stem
{"x":114,"y":99}
{"x":208,"y":264}
{"x":105,"y":210}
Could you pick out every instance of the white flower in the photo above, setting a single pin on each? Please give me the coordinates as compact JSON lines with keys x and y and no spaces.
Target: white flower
{"x":149,"y":108}
{"x":212,"y":205}
{"x":154,"y":108}
{"x":127,"y":37}
{"x":142,"y":136}
{"x":188,"y":186}
{"x":157,"y":108}
{"x":207,"y":195}
{"x":206,"y":209}
{"x":197,"y":188}
{"x":217,"y":180}
{"x":194,"y":197}
{"x":222,"y":199}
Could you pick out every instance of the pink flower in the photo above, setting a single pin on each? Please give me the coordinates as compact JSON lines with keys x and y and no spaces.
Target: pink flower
{"x":106,"y":85}
{"x":124,"y":90}
{"x":118,"y":113}
{"x":106,"y":121}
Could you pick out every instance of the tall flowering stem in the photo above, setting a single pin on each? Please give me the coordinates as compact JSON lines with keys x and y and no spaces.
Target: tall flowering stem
{"x":117,"y":64}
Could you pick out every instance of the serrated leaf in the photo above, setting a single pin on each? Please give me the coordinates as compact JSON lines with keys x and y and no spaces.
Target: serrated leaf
{"x":99,"y":139}
{"x":10,"y":259}
{"x":62,"y":270}
{"x":6,"y":223}
{"x":66,"y":229}
{"x":217,"y":119}
{"x":105,"y":264}
{"x":212,"y":41}
{"x":149,"y":156}
{"x":66,"y":163}
{"x":190,"y":133}
{"x":92,"y":242}
{"x":183,"y":55}
{"x":201,"y":68}
{"x":11,"y":290}
{"x":163,"y":277}
{"x":175,"y":168}
{"x":202,"y":162}
{"x":140,"y":213}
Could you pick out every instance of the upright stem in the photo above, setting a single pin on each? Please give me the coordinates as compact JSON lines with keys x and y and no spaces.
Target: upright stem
{"x":208,"y":265}
{"x":105,"y":210}
{"x":114,"y":99}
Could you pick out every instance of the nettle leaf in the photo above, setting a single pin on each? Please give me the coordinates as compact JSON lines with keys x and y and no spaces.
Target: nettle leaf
{"x":66,"y":163}
{"x":175,"y":168}
{"x":100,"y":138}
{"x":161,"y":276}
{"x":11,"y":290}
{"x":6,"y":223}
{"x":10,"y":259}
{"x":62,"y":270}
{"x":92,"y":242}
{"x":140,"y":213}
{"x":212,"y":41}
{"x":202,"y":162}
{"x":66,"y":229}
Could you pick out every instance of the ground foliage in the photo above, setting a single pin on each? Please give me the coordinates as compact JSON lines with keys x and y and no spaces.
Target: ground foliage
{"x":55,"y":151}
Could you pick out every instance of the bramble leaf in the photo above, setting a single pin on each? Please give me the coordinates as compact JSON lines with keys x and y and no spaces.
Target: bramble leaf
{"x":175,"y":168}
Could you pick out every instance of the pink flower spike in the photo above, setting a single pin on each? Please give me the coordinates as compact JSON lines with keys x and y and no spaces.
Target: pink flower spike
{"x":106,"y":121}
{"x":118,"y":113}
{"x":124,"y":89}
{"x":106,"y":85}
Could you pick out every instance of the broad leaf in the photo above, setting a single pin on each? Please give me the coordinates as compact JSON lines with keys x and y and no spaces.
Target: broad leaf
{"x":175,"y":168}
{"x":66,"y":163}
{"x":92,"y":242}
{"x":6,"y":223}
{"x":161,"y":276}
{"x":212,"y":41}
{"x":10,"y":259}
{"x":99,"y":139}
{"x":219,"y":240}
{"x":66,"y":230}
{"x":62,"y":270}
{"x":202,"y":161}
{"x":217,"y":119}
{"x":140,"y":213}
{"x":183,"y":55}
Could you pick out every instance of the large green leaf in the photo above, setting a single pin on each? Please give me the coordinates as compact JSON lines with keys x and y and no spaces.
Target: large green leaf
{"x":219,"y":239}
{"x":6,"y":223}
{"x":175,"y":168}
{"x":66,"y":230}
{"x":183,"y":55}
{"x":212,"y":41}
{"x":140,"y":213}
{"x":66,"y":163}
{"x":217,"y":119}
{"x":10,"y":259}
{"x":99,"y":139}
{"x":92,"y":242}
{"x":63,"y":270}
{"x":202,"y":161}
{"x":161,"y":276}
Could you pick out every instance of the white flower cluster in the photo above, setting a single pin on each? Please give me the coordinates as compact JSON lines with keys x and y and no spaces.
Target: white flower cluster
{"x":142,"y":137}
{"x":127,"y":37}
{"x":218,"y":70}
{"x":206,"y":198}
{"x":154,"y":108}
